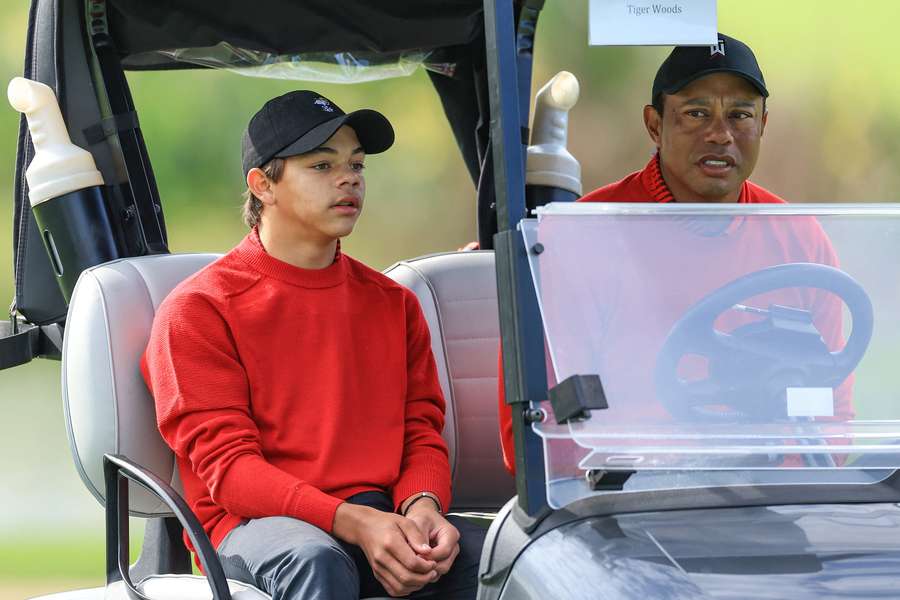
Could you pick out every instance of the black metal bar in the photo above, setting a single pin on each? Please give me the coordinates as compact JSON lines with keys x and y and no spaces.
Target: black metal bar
{"x":18,"y":341}
{"x":506,"y":135}
{"x":22,"y":342}
{"x":142,"y":183}
{"x":118,"y":471}
{"x":524,"y":368}
{"x":120,"y":491}
{"x":113,"y":539}
{"x":521,"y":332}
{"x":525,"y":33}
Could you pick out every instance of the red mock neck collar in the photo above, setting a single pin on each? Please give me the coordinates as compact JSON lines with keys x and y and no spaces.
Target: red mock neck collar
{"x":653,"y":182}
{"x":251,"y":251}
{"x":652,"y":179}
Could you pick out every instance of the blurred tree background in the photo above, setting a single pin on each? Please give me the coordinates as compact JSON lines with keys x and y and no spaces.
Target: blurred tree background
{"x":833,"y":135}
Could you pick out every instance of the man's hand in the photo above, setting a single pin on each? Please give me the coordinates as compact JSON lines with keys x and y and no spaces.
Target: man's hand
{"x":443,"y":537}
{"x":395,"y":547}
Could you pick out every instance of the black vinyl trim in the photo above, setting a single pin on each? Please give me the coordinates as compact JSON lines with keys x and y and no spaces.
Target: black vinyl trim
{"x":17,"y":343}
{"x":148,"y":208}
{"x":37,"y":294}
{"x":111,"y":126}
{"x":24,"y":152}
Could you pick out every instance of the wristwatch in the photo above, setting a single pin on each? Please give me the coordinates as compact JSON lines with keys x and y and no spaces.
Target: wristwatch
{"x":418,"y":497}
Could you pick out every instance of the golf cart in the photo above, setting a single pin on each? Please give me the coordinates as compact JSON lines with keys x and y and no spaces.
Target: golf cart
{"x":749,"y":479}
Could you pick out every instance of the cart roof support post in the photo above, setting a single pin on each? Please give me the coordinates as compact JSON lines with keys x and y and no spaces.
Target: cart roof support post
{"x":509,"y":82}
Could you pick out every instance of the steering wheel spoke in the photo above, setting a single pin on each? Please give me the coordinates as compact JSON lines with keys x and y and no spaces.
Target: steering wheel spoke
{"x":750,"y":358}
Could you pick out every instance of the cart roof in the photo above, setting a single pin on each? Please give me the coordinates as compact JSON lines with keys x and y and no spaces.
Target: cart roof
{"x":380,"y":27}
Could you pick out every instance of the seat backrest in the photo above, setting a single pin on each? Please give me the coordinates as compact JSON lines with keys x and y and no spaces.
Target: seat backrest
{"x":458,"y":294}
{"x":108,"y":407}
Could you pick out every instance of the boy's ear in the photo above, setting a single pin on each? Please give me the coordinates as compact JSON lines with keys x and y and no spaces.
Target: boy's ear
{"x":260,"y":185}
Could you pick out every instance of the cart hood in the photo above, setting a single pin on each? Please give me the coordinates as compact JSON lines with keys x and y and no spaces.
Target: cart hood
{"x":834,"y":551}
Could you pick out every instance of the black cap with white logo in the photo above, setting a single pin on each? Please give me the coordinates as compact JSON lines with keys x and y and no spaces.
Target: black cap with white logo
{"x":300,"y":121}
{"x":689,"y":63}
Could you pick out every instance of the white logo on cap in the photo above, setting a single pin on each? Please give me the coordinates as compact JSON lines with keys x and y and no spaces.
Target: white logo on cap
{"x":325,"y":104}
{"x":720,"y":49}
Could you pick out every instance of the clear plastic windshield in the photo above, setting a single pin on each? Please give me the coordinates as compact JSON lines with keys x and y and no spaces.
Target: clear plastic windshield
{"x":728,"y":339}
{"x":323,"y":67}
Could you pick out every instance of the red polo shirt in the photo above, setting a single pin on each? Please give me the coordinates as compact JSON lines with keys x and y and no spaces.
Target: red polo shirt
{"x":648,"y":185}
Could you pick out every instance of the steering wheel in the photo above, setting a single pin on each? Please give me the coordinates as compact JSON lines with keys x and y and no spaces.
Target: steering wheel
{"x":750,"y":368}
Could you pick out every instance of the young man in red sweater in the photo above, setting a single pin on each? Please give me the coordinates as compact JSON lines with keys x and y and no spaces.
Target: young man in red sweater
{"x":706,"y":119}
{"x":298,"y":389}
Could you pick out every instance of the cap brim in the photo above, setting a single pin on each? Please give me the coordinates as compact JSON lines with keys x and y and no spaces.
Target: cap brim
{"x":374,"y":131}
{"x":760,"y":87}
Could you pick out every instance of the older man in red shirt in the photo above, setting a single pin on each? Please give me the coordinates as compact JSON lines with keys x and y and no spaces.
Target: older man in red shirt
{"x":706,"y":119}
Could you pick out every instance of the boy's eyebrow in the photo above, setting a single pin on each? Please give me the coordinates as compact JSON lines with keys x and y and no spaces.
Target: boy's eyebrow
{"x":327,"y":150}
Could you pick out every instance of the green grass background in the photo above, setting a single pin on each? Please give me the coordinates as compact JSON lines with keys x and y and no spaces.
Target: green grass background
{"x":833,"y":135}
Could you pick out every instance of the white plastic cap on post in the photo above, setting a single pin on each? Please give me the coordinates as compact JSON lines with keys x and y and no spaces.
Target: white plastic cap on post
{"x":58,"y":166}
{"x":549,"y":161}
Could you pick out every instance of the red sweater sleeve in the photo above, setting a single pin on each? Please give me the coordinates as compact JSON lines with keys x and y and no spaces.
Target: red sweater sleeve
{"x":504,"y":413}
{"x":425,"y":465}
{"x":203,"y":411}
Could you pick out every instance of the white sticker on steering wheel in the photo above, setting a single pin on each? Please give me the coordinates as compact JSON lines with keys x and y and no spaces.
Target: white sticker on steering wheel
{"x":810,"y":402}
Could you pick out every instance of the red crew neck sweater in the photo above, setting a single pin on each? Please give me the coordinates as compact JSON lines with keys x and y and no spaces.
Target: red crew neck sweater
{"x":284,"y":391}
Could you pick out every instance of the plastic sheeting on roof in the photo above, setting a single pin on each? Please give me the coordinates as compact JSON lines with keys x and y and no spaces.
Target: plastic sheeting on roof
{"x":324,"y":67}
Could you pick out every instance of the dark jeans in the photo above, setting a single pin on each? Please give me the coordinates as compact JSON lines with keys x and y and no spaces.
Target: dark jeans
{"x":293,"y":560}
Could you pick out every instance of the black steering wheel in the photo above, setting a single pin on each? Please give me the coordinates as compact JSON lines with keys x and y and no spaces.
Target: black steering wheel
{"x":751,"y":367}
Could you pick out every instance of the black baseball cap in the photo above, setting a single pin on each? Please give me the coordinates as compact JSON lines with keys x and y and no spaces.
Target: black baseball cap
{"x":689,"y":63}
{"x":300,"y":121}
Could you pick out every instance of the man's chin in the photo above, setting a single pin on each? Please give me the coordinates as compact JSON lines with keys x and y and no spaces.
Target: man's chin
{"x":719,"y":191}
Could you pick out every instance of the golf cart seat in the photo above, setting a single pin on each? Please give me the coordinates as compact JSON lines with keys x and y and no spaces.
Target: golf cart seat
{"x":110,"y":413}
{"x":458,"y":294}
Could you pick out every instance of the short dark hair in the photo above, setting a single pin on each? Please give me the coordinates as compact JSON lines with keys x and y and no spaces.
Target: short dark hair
{"x":659,"y":103}
{"x":252,"y":210}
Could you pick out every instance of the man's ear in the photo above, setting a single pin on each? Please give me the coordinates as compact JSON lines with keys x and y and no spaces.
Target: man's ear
{"x":765,"y":119}
{"x":260,"y":186}
{"x":653,"y":123}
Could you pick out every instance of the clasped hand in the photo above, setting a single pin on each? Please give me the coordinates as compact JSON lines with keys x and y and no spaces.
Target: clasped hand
{"x":405,"y":553}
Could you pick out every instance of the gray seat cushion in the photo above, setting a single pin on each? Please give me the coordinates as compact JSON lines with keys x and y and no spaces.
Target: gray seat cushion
{"x":108,"y":407}
{"x":193,"y":587}
{"x":458,"y":294}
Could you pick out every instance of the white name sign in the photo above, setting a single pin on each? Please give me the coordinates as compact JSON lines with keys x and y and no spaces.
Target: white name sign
{"x":653,"y":23}
{"x":810,"y":402}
